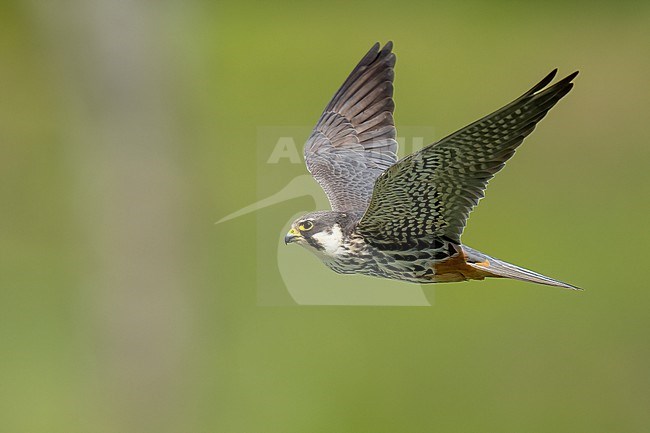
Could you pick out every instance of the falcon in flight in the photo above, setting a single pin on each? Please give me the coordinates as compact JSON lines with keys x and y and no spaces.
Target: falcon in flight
{"x":404,"y":219}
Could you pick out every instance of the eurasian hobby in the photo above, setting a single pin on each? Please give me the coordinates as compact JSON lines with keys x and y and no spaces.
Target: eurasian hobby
{"x":404,"y":219}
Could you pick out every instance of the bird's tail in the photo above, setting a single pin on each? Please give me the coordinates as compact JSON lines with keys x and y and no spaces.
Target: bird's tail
{"x":500,"y":269}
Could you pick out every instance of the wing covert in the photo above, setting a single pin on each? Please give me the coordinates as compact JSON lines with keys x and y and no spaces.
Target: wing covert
{"x":432,"y":192}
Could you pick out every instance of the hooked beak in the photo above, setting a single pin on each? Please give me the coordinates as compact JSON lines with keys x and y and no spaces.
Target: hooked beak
{"x":292,"y":236}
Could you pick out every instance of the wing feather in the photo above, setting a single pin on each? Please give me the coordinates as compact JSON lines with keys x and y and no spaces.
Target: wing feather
{"x":354,"y":140}
{"x":432,"y":192}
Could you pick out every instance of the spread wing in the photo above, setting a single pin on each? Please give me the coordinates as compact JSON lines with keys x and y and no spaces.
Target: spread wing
{"x":354,"y":140}
{"x":432,"y":192}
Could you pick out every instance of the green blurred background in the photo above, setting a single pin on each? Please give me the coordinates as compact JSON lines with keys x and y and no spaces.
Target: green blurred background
{"x":127,"y":128}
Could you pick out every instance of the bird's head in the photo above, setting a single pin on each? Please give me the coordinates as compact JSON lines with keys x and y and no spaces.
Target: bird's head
{"x":324,"y":231}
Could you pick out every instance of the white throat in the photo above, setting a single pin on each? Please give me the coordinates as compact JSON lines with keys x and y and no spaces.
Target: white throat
{"x":331,"y":242}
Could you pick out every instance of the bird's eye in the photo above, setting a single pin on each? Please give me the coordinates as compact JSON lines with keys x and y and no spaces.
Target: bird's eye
{"x":306,"y":226}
